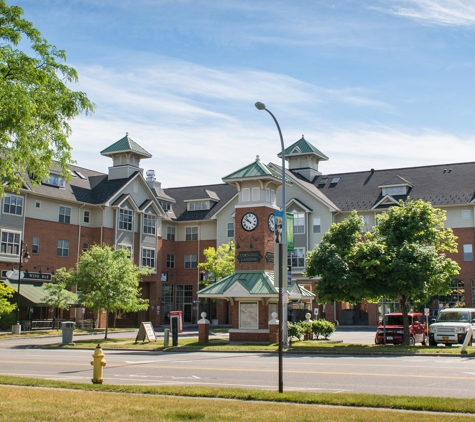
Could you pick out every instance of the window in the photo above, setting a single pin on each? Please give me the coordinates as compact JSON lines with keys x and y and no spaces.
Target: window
{"x":12,"y":204}
{"x":64,"y":214}
{"x":248,"y":315}
{"x":35,"y":245}
{"x":125,"y":219}
{"x":37,"y":204}
{"x":465,"y":214}
{"x":167,"y":300}
{"x":296,"y":258}
{"x":10,"y":243}
{"x":299,"y":223}
{"x":467,"y":253}
{"x":149,"y":224}
{"x":317,"y":228}
{"x":170,"y":261}
{"x":246,"y":195}
{"x":197,"y":206}
{"x":400,"y":190}
{"x":165,"y":206}
{"x":256,"y":194}
{"x":86,"y":216}
{"x":191,"y":261}
{"x":55,"y":180}
{"x":230,"y":229}
{"x":63,"y":248}
{"x":170,"y":233}
{"x":148,"y":257}
{"x":267,"y":195}
{"x":129,"y":250}
{"x":85,"y":247}
{"x":191,"y":233}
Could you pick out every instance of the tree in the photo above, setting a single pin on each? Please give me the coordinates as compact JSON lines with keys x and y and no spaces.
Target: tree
{"x":35,"y":102}
{"x":219,"y":263}
{"x":404,"y":258}
{"x":109,"y":280}
{"x":58,"y":296}
{"x":6,"y":292}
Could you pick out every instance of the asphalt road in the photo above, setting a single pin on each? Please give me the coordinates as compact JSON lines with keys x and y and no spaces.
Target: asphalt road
{"x":422,"y":375}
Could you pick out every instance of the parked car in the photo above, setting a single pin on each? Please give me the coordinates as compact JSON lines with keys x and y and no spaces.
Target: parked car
{"x":393,"y":328}
{"x":452,"y":326}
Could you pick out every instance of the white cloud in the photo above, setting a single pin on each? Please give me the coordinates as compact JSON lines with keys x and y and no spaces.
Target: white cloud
{"x":440,"y":12}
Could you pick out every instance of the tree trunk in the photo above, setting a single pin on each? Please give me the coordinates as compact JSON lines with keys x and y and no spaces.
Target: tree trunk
{"x":107,"y":324}
{"x":405,"y":319}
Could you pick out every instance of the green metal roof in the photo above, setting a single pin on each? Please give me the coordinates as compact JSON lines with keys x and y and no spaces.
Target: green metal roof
{"x":126,"y":144}
{"x":33,"y":292}
{"x":255,"y":282}
{"x":252,"y":171}
{"x":302,"y":146}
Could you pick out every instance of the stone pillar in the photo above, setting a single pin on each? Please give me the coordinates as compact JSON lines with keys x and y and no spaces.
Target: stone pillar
{"x":274,"y":329}
{"x":203,"y":329}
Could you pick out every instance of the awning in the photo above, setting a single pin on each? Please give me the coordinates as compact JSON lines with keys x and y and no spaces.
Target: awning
{"x":32,"y":292}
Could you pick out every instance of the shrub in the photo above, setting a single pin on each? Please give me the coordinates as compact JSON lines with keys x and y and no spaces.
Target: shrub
{"x":294,"y":330}
{"x":7,"y":320}
{"x":322,"y":327}
{"x":306,"y":329}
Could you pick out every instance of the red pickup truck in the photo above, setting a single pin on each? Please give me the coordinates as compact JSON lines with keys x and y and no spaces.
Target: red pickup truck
{"x":393,"y":328}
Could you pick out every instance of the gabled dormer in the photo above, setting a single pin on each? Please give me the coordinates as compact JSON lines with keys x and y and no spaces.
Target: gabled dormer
{"x":126,"y":155}
{"x":397,"y":186}
{"x":202,"y":200}
{"x":303,"y":158}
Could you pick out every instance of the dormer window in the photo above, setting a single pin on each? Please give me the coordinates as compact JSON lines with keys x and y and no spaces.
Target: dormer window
{"x":55,"y":180}
{"x":198,"y":206}
{"x":165,"y":205}
{"x":396,"y":190}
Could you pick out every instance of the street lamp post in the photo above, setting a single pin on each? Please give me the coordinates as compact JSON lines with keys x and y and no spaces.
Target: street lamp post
{"x":282,"y":249}
{"x":23,"y":257}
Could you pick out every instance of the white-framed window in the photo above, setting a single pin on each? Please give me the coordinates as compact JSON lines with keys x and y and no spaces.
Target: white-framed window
{"x":170,"y":233}
{"x":86,"y":216}
{"x":267,"y":195}
{"x":63,"y":248}
{"x":230,"y":229}
{"x":317,"y":225}
{"x":249,"y":315}
{"x":465,"y":214}
{"x":85,"y":247}
{"x":170,"y":261}
{"x":149,"y":223}
{"x":13,"y":204}
{"x":37,"y":205}
{"x":198,"y":206}
{"x":10,"y":243}
{"x":191,"y":261}
{"x":398,"y":190}
{"x":64,"y":214}
{"x":256,"y":194}
{"x":165,"y":206}
{"x":468,"y":252}
{"x":128,"y":248}
{"x":191,"y":233}
{"x":148,"y":257}
{"x":273,"y":307}
{"x":35,"y":245}
{"x":125,"y":219}
{"x":296,"y":258}
{"x":299,"y":223}
{"x":246,"y":195}
{"x":55,"y":180}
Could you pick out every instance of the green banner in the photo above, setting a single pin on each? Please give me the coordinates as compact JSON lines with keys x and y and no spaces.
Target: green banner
{"x":290,"y":231}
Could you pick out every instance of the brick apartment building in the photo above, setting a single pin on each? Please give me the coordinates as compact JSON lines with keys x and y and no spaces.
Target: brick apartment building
{"x":168,"y":229}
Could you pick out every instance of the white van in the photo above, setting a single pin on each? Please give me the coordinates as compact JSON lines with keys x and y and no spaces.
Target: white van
{"x":451,"y":326}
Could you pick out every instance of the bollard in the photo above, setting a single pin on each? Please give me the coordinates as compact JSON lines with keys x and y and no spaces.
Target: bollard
{"x":166,"y":337}
{"x":97,"y":364}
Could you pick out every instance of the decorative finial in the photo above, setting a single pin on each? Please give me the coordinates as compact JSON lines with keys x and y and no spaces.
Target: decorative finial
{"x":303,"y":136}
{"x":126,"y":133}
{"x":257,"y":158}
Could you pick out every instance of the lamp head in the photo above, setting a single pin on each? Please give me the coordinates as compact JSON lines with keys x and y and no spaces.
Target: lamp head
{"x":260,"y":106}
{"x":26,"y":257}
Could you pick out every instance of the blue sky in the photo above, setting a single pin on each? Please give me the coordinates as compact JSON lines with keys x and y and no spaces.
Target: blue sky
{"x":371,"y":83}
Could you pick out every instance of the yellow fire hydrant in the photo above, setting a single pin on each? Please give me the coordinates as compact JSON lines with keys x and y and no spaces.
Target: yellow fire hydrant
{"x":97,"y":364}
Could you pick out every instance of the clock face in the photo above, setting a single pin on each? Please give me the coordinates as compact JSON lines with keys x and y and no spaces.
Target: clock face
{"x":249,"y":221}
{"x":271,"y":222}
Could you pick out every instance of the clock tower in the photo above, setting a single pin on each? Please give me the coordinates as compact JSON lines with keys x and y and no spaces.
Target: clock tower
{"x":254,"y":215}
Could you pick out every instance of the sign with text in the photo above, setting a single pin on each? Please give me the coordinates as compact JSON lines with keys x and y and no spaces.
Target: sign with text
{"x":146,"y":331}
{"x":270,"y":257}
{"x":250,"y":256}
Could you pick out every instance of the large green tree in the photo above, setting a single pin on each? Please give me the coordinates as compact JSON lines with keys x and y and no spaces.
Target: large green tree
{"x":219,"y":263}
{"x":403,"y":258}
{"x":108,"y":279}
{"x":6,"y":306}
{"x":36,"y":102}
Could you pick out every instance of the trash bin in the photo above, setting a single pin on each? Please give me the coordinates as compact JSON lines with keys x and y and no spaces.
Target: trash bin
{"x":67,"y":329}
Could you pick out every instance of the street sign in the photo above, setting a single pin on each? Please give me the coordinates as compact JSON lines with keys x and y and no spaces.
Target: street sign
{"x":196,"y":301}
{"x":426,"y":311}
{"x":285,"y":298}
